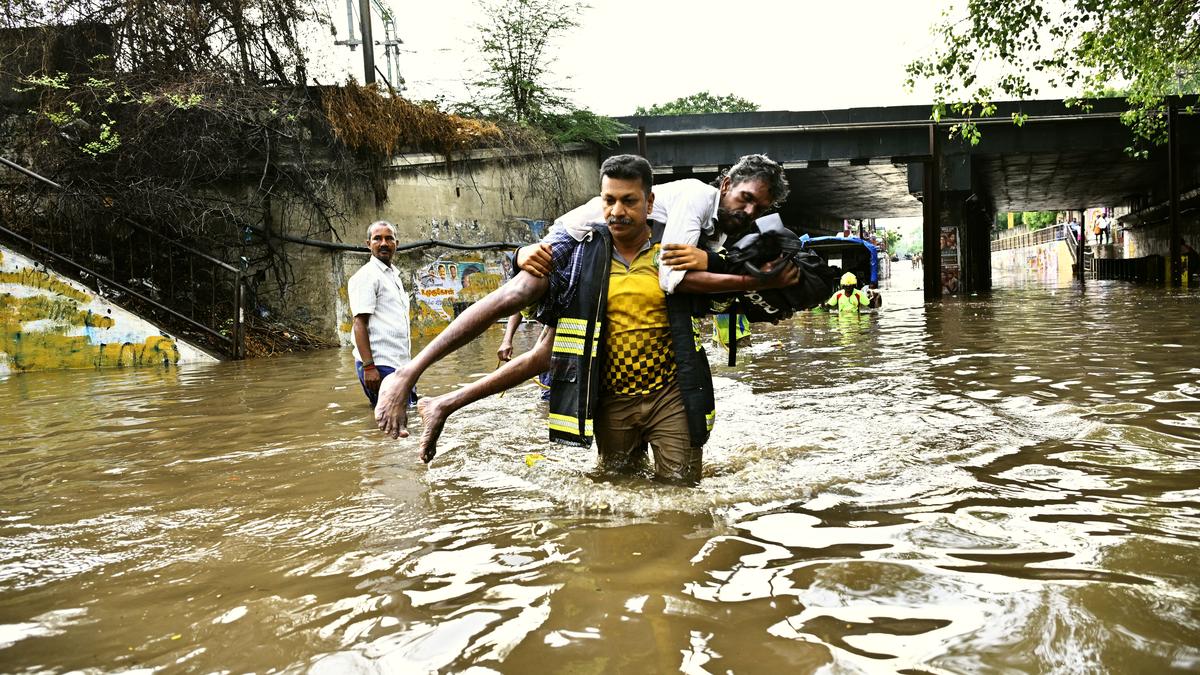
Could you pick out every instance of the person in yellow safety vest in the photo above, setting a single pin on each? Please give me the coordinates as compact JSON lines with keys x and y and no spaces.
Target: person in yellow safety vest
{"x":849,"y":298}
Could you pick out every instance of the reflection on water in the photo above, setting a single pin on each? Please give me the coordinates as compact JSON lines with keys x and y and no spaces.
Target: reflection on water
{"x":987,"y":484}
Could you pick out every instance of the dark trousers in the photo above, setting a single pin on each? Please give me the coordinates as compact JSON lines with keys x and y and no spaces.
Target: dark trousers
{"x":384,"y":371}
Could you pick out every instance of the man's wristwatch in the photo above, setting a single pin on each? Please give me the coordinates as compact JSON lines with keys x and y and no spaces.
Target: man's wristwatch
{"x":368,"y":366}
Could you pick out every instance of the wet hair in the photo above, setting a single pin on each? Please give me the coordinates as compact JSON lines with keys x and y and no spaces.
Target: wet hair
{"x":380,"y":222}
{"x":761,"y":167}
{"x":629,"y":167}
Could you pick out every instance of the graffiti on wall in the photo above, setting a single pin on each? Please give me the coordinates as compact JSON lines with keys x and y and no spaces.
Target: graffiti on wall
{"x":537,"y":227}
{"x":47,"y":322}
{"x":445,"y":287}
{"x":445,"y":228}
{"x":1041,"y":260}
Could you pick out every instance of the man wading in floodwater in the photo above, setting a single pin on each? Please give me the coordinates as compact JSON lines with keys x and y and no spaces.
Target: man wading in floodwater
{"x":379,"y":305}
{"x":649,"y":351}
{"x":691,"y":210}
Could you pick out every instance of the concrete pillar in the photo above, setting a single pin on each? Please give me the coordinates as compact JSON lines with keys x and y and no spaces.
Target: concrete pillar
{"x":976,"y":230}
{"x":1173,"y":251}
{"x":972,"y":217}
{"x":932,"y":215}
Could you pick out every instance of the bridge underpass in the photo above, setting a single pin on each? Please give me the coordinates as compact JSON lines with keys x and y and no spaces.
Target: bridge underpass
{"x":822,"y":193}
{"x":876,"y":163}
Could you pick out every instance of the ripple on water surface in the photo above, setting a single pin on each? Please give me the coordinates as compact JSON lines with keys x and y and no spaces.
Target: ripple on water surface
{"x":1003,"y":483}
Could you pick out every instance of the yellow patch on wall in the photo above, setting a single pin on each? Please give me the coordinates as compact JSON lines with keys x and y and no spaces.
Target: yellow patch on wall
{"x":49,"y":346}
{"x":46,"y":351}
{"x":62,"y":311}
{"x":42,"y":280}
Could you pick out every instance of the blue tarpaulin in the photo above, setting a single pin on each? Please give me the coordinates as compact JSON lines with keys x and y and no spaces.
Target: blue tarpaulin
{"x":830,"y":244}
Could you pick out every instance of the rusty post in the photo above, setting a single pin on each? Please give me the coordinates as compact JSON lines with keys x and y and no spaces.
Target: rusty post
{"x":368,"y":42}
{"x":236,"y":334}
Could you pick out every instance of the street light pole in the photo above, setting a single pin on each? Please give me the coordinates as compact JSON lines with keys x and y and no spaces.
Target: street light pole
{"x":368,"y":42}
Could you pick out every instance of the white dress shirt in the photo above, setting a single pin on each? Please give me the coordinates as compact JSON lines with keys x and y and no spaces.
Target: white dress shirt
{"x":376,"y":289}
{"x":688,"y":207}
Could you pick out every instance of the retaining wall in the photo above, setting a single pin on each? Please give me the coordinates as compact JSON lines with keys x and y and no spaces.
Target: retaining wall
{"x":1048,"y":261}
{"x":484,"y":200}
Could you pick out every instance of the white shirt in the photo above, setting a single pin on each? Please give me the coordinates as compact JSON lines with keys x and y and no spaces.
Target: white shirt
{"x":688,"y":207}
{"x":376,"y":289}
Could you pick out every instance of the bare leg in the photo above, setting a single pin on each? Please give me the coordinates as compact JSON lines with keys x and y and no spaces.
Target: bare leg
{"x":392,"y":410}
{"x":434,"y":411}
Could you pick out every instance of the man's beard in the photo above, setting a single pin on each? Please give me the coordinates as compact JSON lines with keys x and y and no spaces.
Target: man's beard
{"x":733,"y":223}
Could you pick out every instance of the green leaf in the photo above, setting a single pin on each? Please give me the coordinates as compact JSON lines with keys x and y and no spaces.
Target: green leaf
{"x":700,"y":103}
{"x":1138,"y":49}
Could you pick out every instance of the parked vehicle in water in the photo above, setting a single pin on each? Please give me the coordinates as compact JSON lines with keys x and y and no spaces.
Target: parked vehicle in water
{"x":848,"y":254}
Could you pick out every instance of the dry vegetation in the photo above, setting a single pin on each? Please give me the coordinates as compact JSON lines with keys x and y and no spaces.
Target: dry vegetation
{"x":363,"y":119}
{"x":193,"y":119}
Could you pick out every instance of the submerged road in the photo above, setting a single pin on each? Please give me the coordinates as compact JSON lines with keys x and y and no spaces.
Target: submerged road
{"x":1009,"y":483}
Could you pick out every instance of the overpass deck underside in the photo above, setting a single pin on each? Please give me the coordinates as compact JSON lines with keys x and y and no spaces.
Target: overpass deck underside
{"x":858,"y":163}
{"x":840,"y":190}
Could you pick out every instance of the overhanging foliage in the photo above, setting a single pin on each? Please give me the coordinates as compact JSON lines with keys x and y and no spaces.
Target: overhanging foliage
{"x":1147,"y":49}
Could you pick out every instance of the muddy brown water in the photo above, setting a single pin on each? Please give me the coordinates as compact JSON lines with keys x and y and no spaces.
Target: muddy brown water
{"x":997,"y":484}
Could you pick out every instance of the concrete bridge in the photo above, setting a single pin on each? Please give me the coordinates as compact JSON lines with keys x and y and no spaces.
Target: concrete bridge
{"x":882,"y":163}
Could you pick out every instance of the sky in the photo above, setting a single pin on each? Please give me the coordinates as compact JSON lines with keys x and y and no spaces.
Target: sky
{"x":780,"y":54}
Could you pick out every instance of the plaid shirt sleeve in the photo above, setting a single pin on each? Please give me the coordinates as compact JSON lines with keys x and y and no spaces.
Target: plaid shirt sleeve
{"x":566,"y":256}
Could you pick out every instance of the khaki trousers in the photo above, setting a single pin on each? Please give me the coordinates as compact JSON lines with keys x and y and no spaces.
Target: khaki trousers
{"x":625,"y":424}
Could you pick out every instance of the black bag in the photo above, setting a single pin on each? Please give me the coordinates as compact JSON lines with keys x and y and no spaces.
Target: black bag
{"x":769,"y":242}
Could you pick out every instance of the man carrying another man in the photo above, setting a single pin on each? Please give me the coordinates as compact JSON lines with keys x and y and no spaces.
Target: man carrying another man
{"x":748,"y":193}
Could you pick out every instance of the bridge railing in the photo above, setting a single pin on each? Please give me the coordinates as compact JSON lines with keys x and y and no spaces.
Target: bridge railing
{"x":1148,"y":269}
{"x":1026,"y":239}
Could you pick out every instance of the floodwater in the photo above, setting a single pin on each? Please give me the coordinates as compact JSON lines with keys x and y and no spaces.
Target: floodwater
{"x":996,"y":484}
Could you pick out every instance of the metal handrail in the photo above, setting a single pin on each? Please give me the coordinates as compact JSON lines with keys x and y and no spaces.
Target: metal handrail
{"x":1044,"y":235}
{"x":17,"y":167}
{"x":111,"y":282}
{"x":234,"y":342}
{"x":199,"y":254}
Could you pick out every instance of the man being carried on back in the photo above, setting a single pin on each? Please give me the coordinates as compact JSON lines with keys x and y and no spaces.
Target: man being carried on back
{"x":690,"y":209}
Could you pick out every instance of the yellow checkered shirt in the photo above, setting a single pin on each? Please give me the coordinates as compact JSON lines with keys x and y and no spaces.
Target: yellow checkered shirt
{"x":637,"y":338}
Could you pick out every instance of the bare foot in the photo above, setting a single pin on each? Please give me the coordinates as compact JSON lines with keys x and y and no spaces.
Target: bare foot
{"x":433,"y":414}
{"x":391,"y":412}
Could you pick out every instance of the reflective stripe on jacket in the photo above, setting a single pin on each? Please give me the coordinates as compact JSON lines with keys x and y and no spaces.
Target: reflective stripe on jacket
{"x":575,"y":357}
